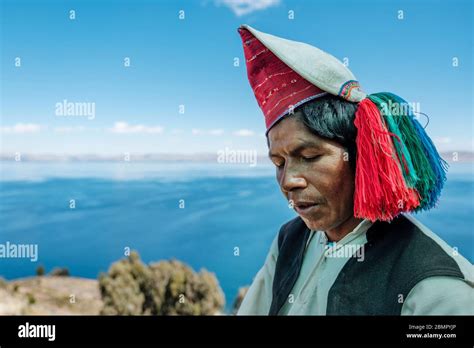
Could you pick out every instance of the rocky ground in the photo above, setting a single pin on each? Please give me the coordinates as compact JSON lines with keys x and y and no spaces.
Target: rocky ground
{"x":50,"y":295}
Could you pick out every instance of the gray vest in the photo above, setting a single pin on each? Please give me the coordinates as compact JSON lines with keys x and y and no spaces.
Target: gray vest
{"x":397,"y":256}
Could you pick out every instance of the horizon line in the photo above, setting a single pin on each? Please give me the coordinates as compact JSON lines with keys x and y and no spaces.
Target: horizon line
{"x":461,"y":156}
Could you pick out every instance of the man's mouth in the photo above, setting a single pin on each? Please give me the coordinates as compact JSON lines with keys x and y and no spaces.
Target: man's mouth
{"x":305,"y":208}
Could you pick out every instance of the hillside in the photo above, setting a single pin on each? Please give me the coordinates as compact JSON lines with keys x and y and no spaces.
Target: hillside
{"x":50,"y":295}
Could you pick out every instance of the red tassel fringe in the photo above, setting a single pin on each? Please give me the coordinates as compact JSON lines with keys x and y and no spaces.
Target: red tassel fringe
{"x":380,"y":189}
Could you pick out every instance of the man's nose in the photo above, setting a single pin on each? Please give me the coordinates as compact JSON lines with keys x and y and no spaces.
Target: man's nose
{"x":292,"y":179}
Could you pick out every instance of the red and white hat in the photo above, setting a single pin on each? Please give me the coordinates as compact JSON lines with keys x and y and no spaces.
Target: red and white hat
{"x":285,"y":74}
{"x":398,"y":169}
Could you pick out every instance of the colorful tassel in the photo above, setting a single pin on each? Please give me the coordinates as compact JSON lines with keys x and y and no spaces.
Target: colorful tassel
{"x":393,"y":122}
{"x":380,"y":189}
{"x":430,"y":167}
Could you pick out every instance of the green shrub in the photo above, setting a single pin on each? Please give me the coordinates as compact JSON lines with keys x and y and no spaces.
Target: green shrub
{"x":40,"y":270}
{"x":123,"y":287}
{"x":162,"y":288}
{"x":31,"y":298}
{"x":60,"y":272}
{"x":181,"y":291}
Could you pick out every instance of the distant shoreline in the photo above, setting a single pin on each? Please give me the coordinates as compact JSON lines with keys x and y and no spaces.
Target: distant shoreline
{"x":449,"y":156}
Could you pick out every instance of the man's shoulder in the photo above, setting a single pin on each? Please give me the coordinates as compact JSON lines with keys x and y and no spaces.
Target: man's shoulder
{"x":416,"y":248}
{"x":398,"y":255}
{"x":452,"y":251}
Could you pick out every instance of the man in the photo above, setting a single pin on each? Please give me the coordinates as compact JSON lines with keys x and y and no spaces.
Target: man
{"x":351,"y":165}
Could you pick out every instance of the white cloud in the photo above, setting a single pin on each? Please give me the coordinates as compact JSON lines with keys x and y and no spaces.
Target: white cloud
{"x":69,"y":129}
{"x":215,"y":132}
{"x":244,"y":7}
{"x":457,"y":143}
{"x":125,"y":128}
{"x":443,"y":140}
{"x":244,"y":133}
{"x":21,"y":128}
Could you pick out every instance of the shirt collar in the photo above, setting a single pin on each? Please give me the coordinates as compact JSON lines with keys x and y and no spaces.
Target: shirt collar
{"x":360,"y":229}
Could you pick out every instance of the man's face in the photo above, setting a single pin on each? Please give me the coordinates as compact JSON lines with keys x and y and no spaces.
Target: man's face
{"x":313,"y":173}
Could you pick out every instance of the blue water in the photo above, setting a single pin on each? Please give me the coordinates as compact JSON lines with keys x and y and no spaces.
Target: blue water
{"x":137,"y":206}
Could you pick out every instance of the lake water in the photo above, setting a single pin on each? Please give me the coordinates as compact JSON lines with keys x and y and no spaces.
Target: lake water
{"x":137,"y":205}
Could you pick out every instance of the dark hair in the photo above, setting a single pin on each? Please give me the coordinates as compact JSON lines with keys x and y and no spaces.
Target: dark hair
{"x":332,"y":118}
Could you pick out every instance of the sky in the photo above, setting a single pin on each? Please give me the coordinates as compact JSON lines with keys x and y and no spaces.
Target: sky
{"x":182,"y":92}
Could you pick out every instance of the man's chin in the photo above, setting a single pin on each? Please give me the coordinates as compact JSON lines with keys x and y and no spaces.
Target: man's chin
{"x":314,"y":224}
